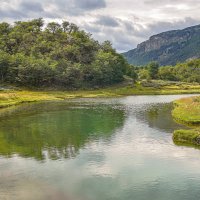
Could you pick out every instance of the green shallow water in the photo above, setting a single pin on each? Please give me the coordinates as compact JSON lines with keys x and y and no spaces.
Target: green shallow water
{"x":95,"y":149}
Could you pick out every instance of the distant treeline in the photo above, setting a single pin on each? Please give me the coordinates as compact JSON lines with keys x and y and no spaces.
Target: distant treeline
{"x":33,"y":54}
{"x":185,"y":72}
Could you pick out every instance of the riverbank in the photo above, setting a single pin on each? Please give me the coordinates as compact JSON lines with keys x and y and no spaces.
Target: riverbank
{"x":187,"y":112}
{"x":14,"y":96}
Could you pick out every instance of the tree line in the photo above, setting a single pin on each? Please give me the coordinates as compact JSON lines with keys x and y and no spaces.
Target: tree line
{"x":188,"y":71}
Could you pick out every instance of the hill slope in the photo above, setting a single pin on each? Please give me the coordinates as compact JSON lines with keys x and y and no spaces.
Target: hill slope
{"x":167,"y":48}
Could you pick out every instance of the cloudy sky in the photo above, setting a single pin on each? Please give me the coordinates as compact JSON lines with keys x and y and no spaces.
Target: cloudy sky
{"x":124,"y":22}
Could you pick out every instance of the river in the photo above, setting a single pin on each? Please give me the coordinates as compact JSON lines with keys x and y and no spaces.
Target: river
{"x":96,"y":149}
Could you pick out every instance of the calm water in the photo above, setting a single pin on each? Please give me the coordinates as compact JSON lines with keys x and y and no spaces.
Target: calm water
{"x":96,"y":149}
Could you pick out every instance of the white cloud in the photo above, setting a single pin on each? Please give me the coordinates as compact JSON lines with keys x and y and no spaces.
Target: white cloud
{"x":126,"y":23}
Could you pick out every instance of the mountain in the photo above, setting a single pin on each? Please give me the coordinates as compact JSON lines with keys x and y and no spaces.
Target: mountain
{"x":167,"y":48}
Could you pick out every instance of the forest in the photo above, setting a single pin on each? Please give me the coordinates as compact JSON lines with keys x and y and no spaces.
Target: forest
{"x":188,"y":71}
{"x":38,"y":55}
{"x":35,"y":54}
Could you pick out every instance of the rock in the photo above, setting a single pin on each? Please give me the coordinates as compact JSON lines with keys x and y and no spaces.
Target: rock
{"x":167,"y":48}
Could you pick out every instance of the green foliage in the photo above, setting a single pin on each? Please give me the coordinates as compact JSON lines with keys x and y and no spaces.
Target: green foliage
{"x":187,"y":137}
{"x":4,"y":65}
{"x":153,"y":70}
{"x":131,"y":72}
{"x":167,"y":73}
{"x":187,"y":111}
{"x":143,"y":74}
{"x":56,"y":55}
{"x":17,"y":138}
{"x":183,"y":72}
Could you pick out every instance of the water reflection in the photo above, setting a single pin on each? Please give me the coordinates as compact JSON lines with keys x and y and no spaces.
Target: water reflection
{"x":56,"y":134}
{"x":159,"y":117}
{"x":122,"y":151}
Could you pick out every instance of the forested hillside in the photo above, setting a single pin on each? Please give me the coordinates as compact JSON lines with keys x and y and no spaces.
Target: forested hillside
{"x":34,"y":54}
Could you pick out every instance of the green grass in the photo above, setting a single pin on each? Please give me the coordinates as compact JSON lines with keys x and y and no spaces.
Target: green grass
{"x":187,"y":111}
{"x":18,"y":96}
{"x":187,"y":137}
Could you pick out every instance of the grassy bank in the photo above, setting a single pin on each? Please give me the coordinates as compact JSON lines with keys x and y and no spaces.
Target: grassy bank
{"x":187,"y":137}
{"x":187,"y":111}
{"x":18,"y":95}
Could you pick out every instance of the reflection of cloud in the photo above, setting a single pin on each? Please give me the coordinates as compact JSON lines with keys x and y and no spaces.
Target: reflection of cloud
{"x":137,"y":160}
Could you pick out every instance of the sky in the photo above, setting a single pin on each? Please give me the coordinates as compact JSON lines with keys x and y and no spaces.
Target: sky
{"x":125,"y":23}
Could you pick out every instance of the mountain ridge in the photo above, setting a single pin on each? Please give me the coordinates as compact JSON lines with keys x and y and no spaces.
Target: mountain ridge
{"x":167,"y":48}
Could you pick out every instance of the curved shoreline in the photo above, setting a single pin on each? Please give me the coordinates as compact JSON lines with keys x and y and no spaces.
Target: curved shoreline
{"x":186,"y":111}
{"x":15,"y":97}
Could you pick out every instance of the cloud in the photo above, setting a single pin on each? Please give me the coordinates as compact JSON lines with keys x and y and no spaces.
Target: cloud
{"x":30,"y":6}
{"x":107,"y":21}
{"x":16,"y":9}
{"x":20,"y":9}
{"x":158,"y":27}
{"x":75,"y":7}
{"x":126,"y":23}
{"x":90,"y":4}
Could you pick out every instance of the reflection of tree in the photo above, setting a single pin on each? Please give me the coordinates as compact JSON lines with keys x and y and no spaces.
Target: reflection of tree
{"x":159,"y":116}
{"x":58,"y":134}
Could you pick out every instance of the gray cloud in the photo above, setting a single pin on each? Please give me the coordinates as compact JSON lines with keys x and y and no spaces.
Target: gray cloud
{"x":128,"y":33}
{"x":90,"y":4}
{"x":11,"y":13}
{"x":125,"y":23}
{"x":170,"y":2}
{"x":91,"y":28}
{"x":158,"y":27}
{"x":48,"y":8}
{"x":75,"y":7}
{"x":24,"y":9}
{"x":107,"y":21}
{"x":31,"y":6}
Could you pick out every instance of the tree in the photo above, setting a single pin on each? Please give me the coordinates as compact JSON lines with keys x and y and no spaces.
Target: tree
{"x":143,"y":74}
{"x":36,"y":73}
{"x":131,"y":72}
{"x":73,"y":28}
{"x":53,"y":27}
{"x":5,"y":60}
{"x":153,"y":68}
{"x":167,"y":73}
{"x":5,"y":28}
{"x":107,"y":46}
{"x":33,"y":54}
{"x":65,"y":26}
{"x":38,"y":24}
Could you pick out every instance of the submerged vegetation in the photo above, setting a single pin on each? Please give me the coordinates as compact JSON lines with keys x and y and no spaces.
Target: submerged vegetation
{"x":187,"y":111}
